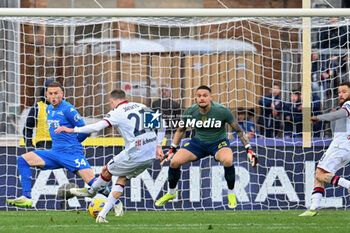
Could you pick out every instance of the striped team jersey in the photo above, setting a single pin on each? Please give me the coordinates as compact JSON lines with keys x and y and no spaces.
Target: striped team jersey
{"x":127,"y":118}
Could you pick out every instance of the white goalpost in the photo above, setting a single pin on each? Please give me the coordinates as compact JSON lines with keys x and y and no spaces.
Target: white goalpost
{"x":244,"y":55}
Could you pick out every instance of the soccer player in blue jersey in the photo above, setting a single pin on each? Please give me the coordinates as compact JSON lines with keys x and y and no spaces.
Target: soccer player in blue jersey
{"x":66,"y":152}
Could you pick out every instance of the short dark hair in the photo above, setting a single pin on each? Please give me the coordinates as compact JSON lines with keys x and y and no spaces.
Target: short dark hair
{"x":296,"y":91}
{"x":345,"y":84}
{"x":241,"y":110}
{"x":118,"y":94}
{"x":203,"y":87}
{"x":55,"y":84}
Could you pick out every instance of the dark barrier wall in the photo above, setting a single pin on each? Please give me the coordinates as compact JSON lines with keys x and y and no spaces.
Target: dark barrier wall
{"x":283,"y":180}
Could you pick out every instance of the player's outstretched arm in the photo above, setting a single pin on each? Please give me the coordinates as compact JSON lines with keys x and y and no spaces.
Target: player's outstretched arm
{"x":84,"y":129}
{"x":100,"y":125}
{"x":331,"y":116}
{"x":253,"y":158}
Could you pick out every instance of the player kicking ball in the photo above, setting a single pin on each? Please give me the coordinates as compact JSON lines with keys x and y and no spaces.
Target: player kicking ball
{"x":66,"y":152}
{"x":209,"y":119}
{"x":142,"y":147}
{"x":338,"y":152}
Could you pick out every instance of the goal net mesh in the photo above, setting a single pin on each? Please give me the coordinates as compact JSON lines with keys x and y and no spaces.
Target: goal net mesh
{"x":252,"y":65}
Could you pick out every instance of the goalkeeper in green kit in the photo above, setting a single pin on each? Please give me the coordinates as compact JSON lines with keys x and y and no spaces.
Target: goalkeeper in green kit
{"x":208,"y":119}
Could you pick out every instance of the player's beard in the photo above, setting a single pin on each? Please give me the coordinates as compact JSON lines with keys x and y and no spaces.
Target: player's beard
{"x":203,"y":107}
{"x":341,"y":103}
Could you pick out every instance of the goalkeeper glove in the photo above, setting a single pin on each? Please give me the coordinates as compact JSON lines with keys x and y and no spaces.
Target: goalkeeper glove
{"x":169,"y":155}
{"x":252,"y":156}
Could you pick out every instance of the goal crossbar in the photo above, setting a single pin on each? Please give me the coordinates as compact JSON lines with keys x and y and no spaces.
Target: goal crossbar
{"x":173,"y":12}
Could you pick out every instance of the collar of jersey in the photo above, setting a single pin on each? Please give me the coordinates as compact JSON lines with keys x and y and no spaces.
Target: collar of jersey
{"x":124,"y":102}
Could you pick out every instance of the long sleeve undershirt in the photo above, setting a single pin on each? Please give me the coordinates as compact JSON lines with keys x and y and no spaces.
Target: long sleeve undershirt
{"x":331,"y":116}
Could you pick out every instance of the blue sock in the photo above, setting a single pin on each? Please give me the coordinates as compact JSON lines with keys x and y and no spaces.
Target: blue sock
{"x":26,"y":176}
{"x":92,"y":181}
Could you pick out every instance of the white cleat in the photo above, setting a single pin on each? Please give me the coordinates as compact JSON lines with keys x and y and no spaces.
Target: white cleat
{"x":118,"y":209}
{"x":100,"y":219}
{"x":78,"y":192}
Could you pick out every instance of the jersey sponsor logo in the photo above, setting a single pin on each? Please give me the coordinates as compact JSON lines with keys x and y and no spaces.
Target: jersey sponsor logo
{"x":53,"y":123}
{"x":60,"y":113}
{"x":77,"y":117}
{"x":145,"y":141}
{"x":152,"y":120}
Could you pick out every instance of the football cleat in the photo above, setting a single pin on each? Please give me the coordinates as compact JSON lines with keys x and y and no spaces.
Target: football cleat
{"x":164,"y":199}
{"x":118,"y":209}
{"x":309,"y":213}
{"x":21,"y":201}
{"x":100,"y":219}
{"x":83,"y":192}
{"x":232,"y":201}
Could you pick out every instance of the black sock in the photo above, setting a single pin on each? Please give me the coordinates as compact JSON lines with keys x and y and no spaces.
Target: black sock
{"x":173,"y":177}
{"x":230,"y":176}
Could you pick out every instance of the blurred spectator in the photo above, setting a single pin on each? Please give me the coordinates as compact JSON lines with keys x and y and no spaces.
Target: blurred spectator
{"x":293,"y":116}
{"x":316,"y":109}
{"x":330,"y":40}
{"x":36,"y":123}
{"x":270,"y":112}
{"x":170,"y":109}
{"x":246,"y":124}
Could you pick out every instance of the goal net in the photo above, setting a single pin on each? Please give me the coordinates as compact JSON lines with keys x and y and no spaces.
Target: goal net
{"x":253,"y":66}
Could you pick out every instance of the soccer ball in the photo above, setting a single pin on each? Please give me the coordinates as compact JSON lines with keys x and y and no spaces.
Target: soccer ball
{"x":96,"y":206}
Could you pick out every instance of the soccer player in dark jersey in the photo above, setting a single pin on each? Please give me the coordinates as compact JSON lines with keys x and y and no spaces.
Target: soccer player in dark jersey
{"x":208,"y":119}
{"x":66,"y":152}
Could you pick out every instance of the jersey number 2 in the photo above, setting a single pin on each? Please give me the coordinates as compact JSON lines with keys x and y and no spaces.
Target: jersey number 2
{"x":137,"y":132}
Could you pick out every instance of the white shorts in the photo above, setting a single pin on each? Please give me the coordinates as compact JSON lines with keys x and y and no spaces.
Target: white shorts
{"x":123,"y":165}
{"x":336,"y":157}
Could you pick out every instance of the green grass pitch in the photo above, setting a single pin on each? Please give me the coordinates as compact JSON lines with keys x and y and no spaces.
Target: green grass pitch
{"x":328,"y":221}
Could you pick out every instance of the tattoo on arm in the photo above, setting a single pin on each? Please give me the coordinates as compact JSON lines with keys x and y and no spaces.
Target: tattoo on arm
{"x":240,"y":133}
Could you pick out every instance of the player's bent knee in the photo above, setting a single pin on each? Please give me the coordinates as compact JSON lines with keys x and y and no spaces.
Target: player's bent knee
{"x":33,"y":159}
{"x":106,"y":173}
{"x":175,"y":164}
